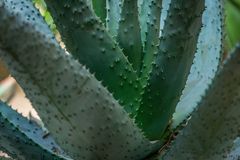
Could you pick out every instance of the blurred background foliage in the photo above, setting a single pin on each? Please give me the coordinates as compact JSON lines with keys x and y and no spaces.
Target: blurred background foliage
{"x":41,"y":5}
{"x":232,"y":21}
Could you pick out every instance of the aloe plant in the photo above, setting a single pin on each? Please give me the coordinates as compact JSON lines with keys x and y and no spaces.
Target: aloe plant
{"x":134,"y":74}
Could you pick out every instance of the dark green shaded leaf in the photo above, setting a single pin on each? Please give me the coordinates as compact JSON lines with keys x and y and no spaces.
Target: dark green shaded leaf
{"x":129,"y":34}
{"x":87,"y":40}
{"x":150,"y":25}
{"x":99,"y":7}
{"x":172,"y":66}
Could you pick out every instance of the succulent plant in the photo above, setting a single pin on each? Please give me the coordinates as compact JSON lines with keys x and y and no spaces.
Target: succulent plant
{"x":132,"y":75}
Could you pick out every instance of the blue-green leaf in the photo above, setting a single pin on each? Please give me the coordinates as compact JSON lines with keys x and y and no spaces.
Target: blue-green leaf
{"x":206,"y":61}
{"x":23,"y":139}
{"x":114,"y":8}
{"x":165,"y":8}
{"x":235,"y":151}
{"x":215,"y":124}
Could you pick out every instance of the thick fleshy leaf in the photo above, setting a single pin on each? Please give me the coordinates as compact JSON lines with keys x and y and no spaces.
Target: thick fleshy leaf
{"x":206,"y":61}
{"x":235,"y":151}
{"x":215,"y":124}
{"x":149,"y":11}
{"x":99,"y":7}
{"x":23,"y":139}
{"x":86,"y":38}
{"x":150,"y":25}
{"x":129,"y":34}
{"x":83,"y":117}
{"x":165,"y":8}
{"x":171,"y":67}
{"x":114,"y":8}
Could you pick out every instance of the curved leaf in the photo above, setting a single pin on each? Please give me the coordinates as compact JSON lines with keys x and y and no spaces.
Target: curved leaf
{"x":235,"y":151}
{"x":99,"y":7}
{"x":129,"y":34}
{"x":23,"y":139}
{"x":206,"y":61}
{"x":171,"y":67}
{"x":165,"y":8}
{"x":149,"y":11}
{"x":215,"y":125}
{"x":86,"y":38}
{"x":150,"y":27}
{"x":114,"y":8}
{"x":83,"y":117}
